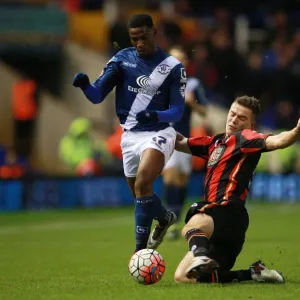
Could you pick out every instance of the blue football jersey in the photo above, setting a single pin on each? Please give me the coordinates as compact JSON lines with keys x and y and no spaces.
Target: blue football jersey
{"x":194,"y":86}
{"x":155,"y":83}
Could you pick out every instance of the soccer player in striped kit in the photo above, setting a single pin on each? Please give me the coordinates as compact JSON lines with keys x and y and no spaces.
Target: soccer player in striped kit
{"x":216,"y":227}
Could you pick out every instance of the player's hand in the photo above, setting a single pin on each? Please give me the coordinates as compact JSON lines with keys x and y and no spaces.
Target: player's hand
{"x":145,"y":117}
{"x":179,"y":137}
{"x":81,"y":80}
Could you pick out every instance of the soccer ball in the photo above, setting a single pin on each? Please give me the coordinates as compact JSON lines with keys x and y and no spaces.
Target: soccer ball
{"x":147,"y":266}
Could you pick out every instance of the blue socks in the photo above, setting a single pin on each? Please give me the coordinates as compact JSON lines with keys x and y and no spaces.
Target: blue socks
{"x":175,"y":198}
{"x":147,"y":209}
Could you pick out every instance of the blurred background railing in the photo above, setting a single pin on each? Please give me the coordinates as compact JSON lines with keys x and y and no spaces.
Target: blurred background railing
{"x":235,"y":48}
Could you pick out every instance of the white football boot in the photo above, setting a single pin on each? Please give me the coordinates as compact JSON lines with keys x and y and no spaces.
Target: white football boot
{"x":201,"y":265}
{"x":261,"y":273}
{"x":158,"y":233}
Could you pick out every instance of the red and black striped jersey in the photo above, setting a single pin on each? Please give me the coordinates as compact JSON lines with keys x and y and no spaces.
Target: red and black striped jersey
{"x":230,"y":163}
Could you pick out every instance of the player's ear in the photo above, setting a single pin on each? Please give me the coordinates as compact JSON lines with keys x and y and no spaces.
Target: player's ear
{"x":155,"y":31}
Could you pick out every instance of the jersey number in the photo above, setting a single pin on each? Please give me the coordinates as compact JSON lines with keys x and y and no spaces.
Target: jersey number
{"x":160,"y":140}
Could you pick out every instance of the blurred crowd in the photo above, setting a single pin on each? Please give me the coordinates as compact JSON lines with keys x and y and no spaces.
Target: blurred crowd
{"x":269,"y":68}
{"x":266,"y":66}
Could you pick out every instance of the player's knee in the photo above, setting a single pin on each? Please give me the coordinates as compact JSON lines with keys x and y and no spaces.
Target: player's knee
{"x":170,"y":177}
{"x":183,"y":180}
{"x":143,"y":183}
{"x":179,"y":276}
{"x":185,"y":229}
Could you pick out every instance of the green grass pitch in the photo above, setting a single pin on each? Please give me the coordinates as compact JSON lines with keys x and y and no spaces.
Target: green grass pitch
{"x":84,"y":254}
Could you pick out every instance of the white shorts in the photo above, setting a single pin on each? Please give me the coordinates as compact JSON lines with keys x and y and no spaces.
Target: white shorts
{"x":133,"y":145}
{"x":180,"y":161}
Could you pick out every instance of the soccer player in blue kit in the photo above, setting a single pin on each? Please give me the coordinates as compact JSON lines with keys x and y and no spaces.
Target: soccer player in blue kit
{"x":150,"y":94}
{"x":178,"y":169}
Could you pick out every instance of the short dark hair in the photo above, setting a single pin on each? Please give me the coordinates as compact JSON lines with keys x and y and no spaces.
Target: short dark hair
{"x":250,"y":102}
{"x":140,"y":20}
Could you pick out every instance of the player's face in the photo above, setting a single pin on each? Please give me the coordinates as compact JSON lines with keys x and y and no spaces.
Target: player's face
{"x":239,"y":117}
{"x":180,"y":55}
{"x":143,"y":39}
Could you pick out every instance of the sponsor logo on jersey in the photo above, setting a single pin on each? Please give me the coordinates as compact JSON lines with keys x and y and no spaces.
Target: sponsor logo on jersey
{"x":143,"y":91}
{"x":164,"y":69}
{"x":216,"y":155}
{"x":145,"y":86}
{"x":143,"y":81}
{"x":128,"y":64}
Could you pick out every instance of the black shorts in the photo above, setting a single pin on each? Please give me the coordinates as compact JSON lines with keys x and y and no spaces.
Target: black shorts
{"x":230,"y":225}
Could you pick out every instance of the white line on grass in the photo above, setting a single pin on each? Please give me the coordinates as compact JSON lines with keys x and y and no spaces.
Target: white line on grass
{"x":80,"y":224}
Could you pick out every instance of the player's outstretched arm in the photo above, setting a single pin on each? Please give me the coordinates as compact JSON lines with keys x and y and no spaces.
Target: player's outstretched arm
{"x":181,"y":144}
{"x":283,"y":139}
{"x":97,"y":91}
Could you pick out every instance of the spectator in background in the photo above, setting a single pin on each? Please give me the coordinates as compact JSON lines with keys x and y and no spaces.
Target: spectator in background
{"x":254,"y":81}
{"x":272,"y":54}
{"x":85,"y":155}
{"x":295,"y":66}
{"x":228,"y":63}
{"x":279,"y":27}
{"x":91,"y":4}
{"x":25,"y":96}
{"x":70,"y":5}
{"x":223,"y":18}
{"x":171,"y":30}
{"x":203,"y":68}
{"x":77,"y":149}
{"x":286,"y":115}
{"x":118,"y":34}
{"x":283,"y":160}
{"x":12,"y":165}
{"x":183,"y":7}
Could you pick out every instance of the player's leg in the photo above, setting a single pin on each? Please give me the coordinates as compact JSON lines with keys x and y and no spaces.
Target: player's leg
{"x":176,"y":175}
{"x":198,"y":232}
{"x":148,"y":205}
{"x":260,"y":273}
{"x":256,"y":272}
{"x":230,"y":223}
{"x":224,"y":276}
{"x":131,"y":184}
{"x":131,"y":160}
{"x":218,"y":275}
{"x":171,"y":177}
{"x":180,"y":273}
{"x":224,"y":253}
{"x":225,"y":256}
{"x":154,"y":152}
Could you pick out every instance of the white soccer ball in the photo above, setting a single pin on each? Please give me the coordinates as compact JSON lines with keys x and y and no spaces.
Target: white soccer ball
{"x":147,"y":266}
